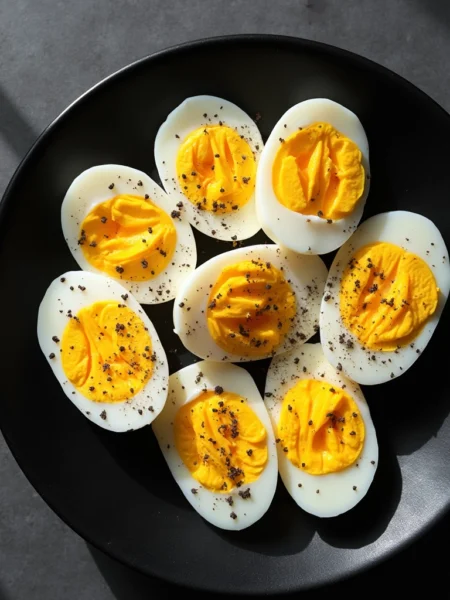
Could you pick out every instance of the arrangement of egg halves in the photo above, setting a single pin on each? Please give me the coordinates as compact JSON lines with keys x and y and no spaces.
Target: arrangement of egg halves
{"x":376,"y":308}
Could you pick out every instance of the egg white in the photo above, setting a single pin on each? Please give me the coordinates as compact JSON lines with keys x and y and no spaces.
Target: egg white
{"x":52,"y":320}
{"x":185,"y":386}
{"x":183,"y":120}
{"x":336,"y":494}
{"x":91,"y":188}
{"x":190,"y":307}
{"x":414,"y":233}
{"x":308,"y":234}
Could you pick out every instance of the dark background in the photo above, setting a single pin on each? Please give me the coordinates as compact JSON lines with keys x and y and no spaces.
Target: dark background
{"x":52,"y":51}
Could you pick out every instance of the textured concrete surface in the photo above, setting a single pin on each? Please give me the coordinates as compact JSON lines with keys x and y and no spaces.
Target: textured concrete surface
{"x":50,"y":52}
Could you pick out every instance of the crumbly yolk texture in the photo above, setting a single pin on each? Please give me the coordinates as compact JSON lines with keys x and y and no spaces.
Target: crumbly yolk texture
{"x":387,"y":294}
{"x":251,"y":309}
{"x":106,"y":352}
{"x":320,"y":428}
{"x":317,"y":171}
{"x":128,"y":237}
{"x":221,"y":441}
{"x":216,"y":169}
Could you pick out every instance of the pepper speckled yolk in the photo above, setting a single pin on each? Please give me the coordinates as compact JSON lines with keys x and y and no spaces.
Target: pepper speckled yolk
{"x":106,"y":352}
{"x":317,"y":171}
{"x":216,"y":169}
{"x":387,"y":295}
{"x":320,"y":428}
{"x":221,"y":440}
{"x":251,"y":309}
{"x":128,"y":237}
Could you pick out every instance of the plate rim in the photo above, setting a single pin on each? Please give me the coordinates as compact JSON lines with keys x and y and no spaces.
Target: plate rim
{"x":305,"y":45}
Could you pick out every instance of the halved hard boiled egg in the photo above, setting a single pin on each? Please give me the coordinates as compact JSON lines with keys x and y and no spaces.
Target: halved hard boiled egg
{"x":385,"y":293}
{"x":207,"y":153}
{"x":250,"y":303}
{"x":217,"y":439}
{"x":313,"y":177}
{"x":103,"y":350}
{"x":119,"y":223}
{"x":327,"y":445}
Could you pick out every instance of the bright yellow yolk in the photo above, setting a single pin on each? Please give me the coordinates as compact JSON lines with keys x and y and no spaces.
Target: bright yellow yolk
{"x":216,"y":169}
{"x":318,"y":171}
{"x":387,"y":295}
{"x":221,"y":440}
{"x":128,"y":237}
{"x":251,"y":308}
{"x":106,"y":352}
{"x":320,"y":427}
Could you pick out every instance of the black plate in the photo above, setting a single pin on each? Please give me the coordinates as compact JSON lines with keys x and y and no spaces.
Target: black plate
{"x":115,"y":489}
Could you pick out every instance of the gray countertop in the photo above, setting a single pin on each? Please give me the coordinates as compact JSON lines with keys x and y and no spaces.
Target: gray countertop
{"x":51,"y":51}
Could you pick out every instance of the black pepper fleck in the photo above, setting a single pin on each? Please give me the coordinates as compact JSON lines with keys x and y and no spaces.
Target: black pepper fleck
{"x":245,"y":494}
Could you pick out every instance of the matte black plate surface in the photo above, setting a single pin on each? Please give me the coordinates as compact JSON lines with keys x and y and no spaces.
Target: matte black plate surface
{"x":115,"y":489}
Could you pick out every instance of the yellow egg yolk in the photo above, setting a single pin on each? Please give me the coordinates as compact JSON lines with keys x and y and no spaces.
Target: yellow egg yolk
{"x":221,"y":440}
{"x":320,"y":428}
{"x":387,"y":295}
{"x":216,"y":169}
{"x":318,"y":171}
{"x":251,"y":309}
{"x":107,"y":352}
{"x":128,"y":237}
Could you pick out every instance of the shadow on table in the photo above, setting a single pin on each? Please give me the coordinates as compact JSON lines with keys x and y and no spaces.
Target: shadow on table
{"x":4,"y":595}
{"x":440,"y":9}
{"x":14,"y":128}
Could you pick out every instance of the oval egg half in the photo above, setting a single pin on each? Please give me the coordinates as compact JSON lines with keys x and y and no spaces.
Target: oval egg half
{"x":207,"y":154}
{"x":326,"y":441}
{"x":313,"y":177}
{"x":119,"y":223}
{"x":386,"y":290}
{"x":250,"y":303}
{"x":103,"y":350}
{"x":217,"y":439}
